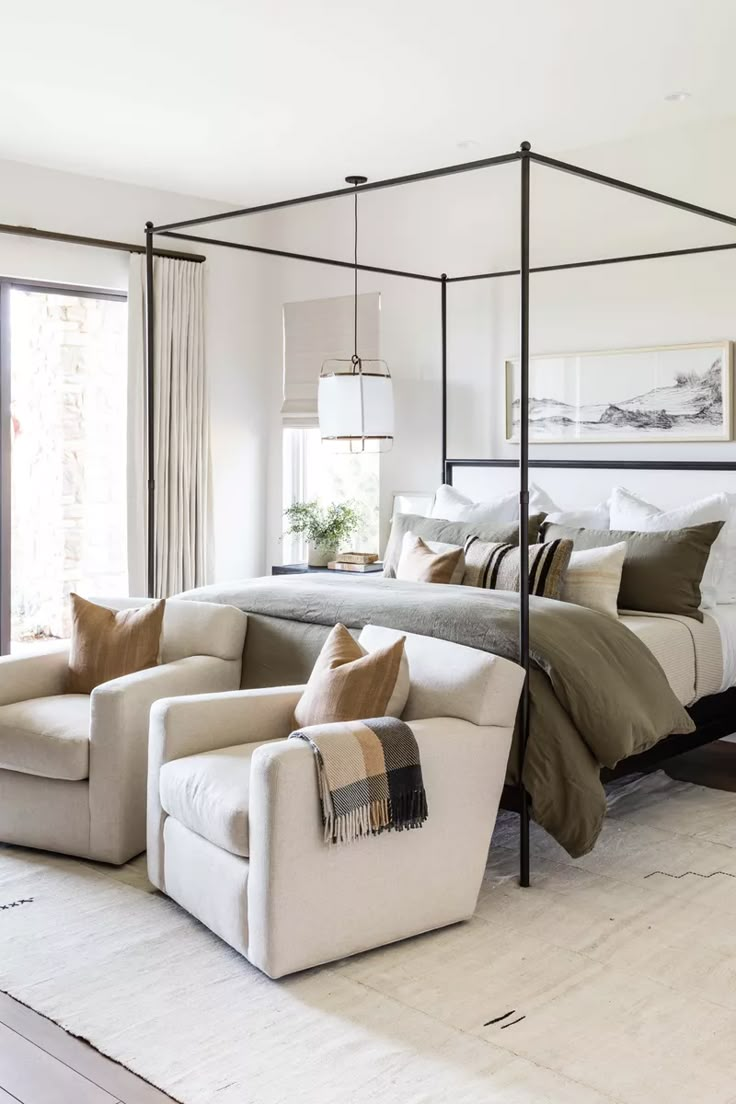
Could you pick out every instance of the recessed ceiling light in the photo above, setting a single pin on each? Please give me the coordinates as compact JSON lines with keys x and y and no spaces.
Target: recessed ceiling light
{"x":466,"y":143}
{"x":677,"y":97}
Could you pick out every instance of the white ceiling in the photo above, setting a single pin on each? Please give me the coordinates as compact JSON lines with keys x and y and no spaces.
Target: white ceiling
{"x":246,"y":100}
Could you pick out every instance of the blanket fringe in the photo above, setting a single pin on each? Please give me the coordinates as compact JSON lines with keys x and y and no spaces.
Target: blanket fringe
{"x":373,"y":818}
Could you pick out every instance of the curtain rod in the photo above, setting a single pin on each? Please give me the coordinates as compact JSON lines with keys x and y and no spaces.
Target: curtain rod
{"x":96,"y":243}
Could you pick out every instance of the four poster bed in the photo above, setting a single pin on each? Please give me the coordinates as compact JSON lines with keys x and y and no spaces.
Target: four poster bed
{"x":481,"y":619}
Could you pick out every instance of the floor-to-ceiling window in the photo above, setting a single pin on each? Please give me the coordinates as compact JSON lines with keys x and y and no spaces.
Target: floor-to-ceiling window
{"x":63,"y":356}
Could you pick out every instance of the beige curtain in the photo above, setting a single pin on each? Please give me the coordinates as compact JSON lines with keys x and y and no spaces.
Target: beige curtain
{"x":182,"y":468}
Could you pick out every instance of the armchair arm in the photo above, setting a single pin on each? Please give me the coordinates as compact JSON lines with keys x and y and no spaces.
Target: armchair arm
{"x":120,"y":711}
{"x":41,"y":675}
{"x":205,"y":722}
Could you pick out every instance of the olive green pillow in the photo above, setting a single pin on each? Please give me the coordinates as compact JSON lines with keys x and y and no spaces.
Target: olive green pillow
{"x":662,"y":571}
{"x":450,"y":532}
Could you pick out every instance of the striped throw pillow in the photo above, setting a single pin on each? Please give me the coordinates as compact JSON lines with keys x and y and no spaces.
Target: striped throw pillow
{"x":496,"y":566}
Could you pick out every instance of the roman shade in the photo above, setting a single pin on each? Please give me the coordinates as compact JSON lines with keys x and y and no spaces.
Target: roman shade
{"x":316,"y":330}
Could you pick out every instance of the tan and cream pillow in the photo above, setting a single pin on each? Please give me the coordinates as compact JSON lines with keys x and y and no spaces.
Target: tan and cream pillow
{"x":348,"y":683}
{"x":593,"y":578}
{"x":107,"y":644}
{"x":496,"y":566}
{"x":430,"y":561}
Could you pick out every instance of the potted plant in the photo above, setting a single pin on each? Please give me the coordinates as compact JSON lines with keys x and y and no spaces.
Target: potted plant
{"x":325,"y":527}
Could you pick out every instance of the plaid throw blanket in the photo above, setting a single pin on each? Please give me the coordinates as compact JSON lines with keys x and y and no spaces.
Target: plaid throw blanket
{"x":369,"y":775}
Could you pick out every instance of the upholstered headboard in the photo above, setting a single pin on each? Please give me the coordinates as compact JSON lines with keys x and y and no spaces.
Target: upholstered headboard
{"x":576,"y":483}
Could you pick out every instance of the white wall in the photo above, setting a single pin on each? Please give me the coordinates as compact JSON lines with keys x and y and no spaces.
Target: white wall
{"x":235,"y":340}
{"x":470,"y":223}
{"x":459,"y":224}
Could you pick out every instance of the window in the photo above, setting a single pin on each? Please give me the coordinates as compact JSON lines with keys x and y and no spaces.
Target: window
{"x":64,"y":501}
{"x":312,"y":471}
{"x":314,"y":331}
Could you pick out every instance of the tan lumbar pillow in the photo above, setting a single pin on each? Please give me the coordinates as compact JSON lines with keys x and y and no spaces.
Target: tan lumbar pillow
{"x":429,"y":562}
{"x":350,"y":684}
{"x":109,"y":643}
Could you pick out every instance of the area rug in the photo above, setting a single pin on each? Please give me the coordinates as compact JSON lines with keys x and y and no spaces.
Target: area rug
{"x":612,"y":979}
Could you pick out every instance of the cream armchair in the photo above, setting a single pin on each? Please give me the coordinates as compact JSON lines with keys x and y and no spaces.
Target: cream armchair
{"x":234,"y":823}
{"x":73,"y":767}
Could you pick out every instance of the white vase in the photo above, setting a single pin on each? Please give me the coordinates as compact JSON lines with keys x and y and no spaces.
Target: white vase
{"x":319,"y":555}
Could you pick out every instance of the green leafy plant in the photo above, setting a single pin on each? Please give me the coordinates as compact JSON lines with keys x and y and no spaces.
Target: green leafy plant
{"x":327,"y":526}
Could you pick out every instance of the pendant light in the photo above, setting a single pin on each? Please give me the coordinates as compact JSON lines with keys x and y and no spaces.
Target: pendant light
{"x":355,"y":397}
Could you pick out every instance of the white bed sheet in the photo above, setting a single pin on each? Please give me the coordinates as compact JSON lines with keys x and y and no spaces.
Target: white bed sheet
{"x":725,"y":618}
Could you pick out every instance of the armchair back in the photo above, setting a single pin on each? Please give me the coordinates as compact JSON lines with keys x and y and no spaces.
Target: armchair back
{"x":194,"y":628}
{"x":452,"y":680}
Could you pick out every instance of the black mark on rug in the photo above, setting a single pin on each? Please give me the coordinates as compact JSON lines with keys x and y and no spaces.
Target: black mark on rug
{"x":694,"y":873}
{"x":18,"y":903}
{"x":505,"y":1016}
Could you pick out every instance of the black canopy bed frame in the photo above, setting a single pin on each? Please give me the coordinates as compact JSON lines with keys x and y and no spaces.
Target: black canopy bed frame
{"x":715,"y":716}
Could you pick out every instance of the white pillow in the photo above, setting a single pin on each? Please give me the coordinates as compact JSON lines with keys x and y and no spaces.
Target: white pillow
{"x":454,"y":506}
{"x":597,"y":517}
{"x":727,"y":536}
{"x":628,"y":511}
{"x":593,"y":578}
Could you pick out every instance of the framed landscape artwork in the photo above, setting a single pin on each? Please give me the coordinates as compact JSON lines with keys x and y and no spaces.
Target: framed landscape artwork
{"x":674,"y":393}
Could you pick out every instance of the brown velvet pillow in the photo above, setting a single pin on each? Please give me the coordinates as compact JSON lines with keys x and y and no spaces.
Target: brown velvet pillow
{"x":109,"y":643}
{"x":350,"y":684}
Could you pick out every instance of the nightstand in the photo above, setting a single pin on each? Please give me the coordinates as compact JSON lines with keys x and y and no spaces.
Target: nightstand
{"x":304,"y":569}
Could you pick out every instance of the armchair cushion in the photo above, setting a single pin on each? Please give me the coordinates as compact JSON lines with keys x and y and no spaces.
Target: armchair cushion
{"x":47,"y":737}
{"x":209,"y":793}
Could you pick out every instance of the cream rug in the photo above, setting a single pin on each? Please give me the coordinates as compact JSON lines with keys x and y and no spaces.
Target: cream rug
{"x":613,"y":979}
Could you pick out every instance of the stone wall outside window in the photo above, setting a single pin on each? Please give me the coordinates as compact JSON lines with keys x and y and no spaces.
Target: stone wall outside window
{"x":68,"y":504}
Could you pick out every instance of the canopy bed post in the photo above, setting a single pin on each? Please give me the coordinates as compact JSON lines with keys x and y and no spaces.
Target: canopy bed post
{"x":445,"y":473}
{"x":524,"y":511}
{"x":151,"y":488}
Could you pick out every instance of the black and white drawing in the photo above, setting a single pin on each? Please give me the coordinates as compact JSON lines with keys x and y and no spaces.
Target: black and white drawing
{"x":673,"y":393}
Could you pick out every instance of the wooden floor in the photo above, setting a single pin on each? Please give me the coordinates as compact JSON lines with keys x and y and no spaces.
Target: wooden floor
{"x":41,"y":1064}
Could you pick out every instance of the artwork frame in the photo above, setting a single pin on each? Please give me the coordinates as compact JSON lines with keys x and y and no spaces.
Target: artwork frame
{"x":693,"y":382}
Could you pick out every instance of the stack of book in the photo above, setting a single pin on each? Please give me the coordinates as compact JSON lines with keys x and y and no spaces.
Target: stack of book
{"x":363,"y":562}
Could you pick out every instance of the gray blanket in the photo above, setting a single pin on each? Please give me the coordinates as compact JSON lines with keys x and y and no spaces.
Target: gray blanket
{"x":598,"y":694}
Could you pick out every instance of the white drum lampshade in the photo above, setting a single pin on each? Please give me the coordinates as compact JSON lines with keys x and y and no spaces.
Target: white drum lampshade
{"x":356,"y":405}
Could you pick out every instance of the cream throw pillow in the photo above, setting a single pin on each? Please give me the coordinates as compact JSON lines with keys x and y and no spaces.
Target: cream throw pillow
{"x":593,"y":578}
{"x":348,"y":683}
{"x":107,"y":644}
{"x":430,"y":561}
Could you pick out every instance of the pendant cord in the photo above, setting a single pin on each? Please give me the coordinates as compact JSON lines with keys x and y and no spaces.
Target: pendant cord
{"x":355,"y":278}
